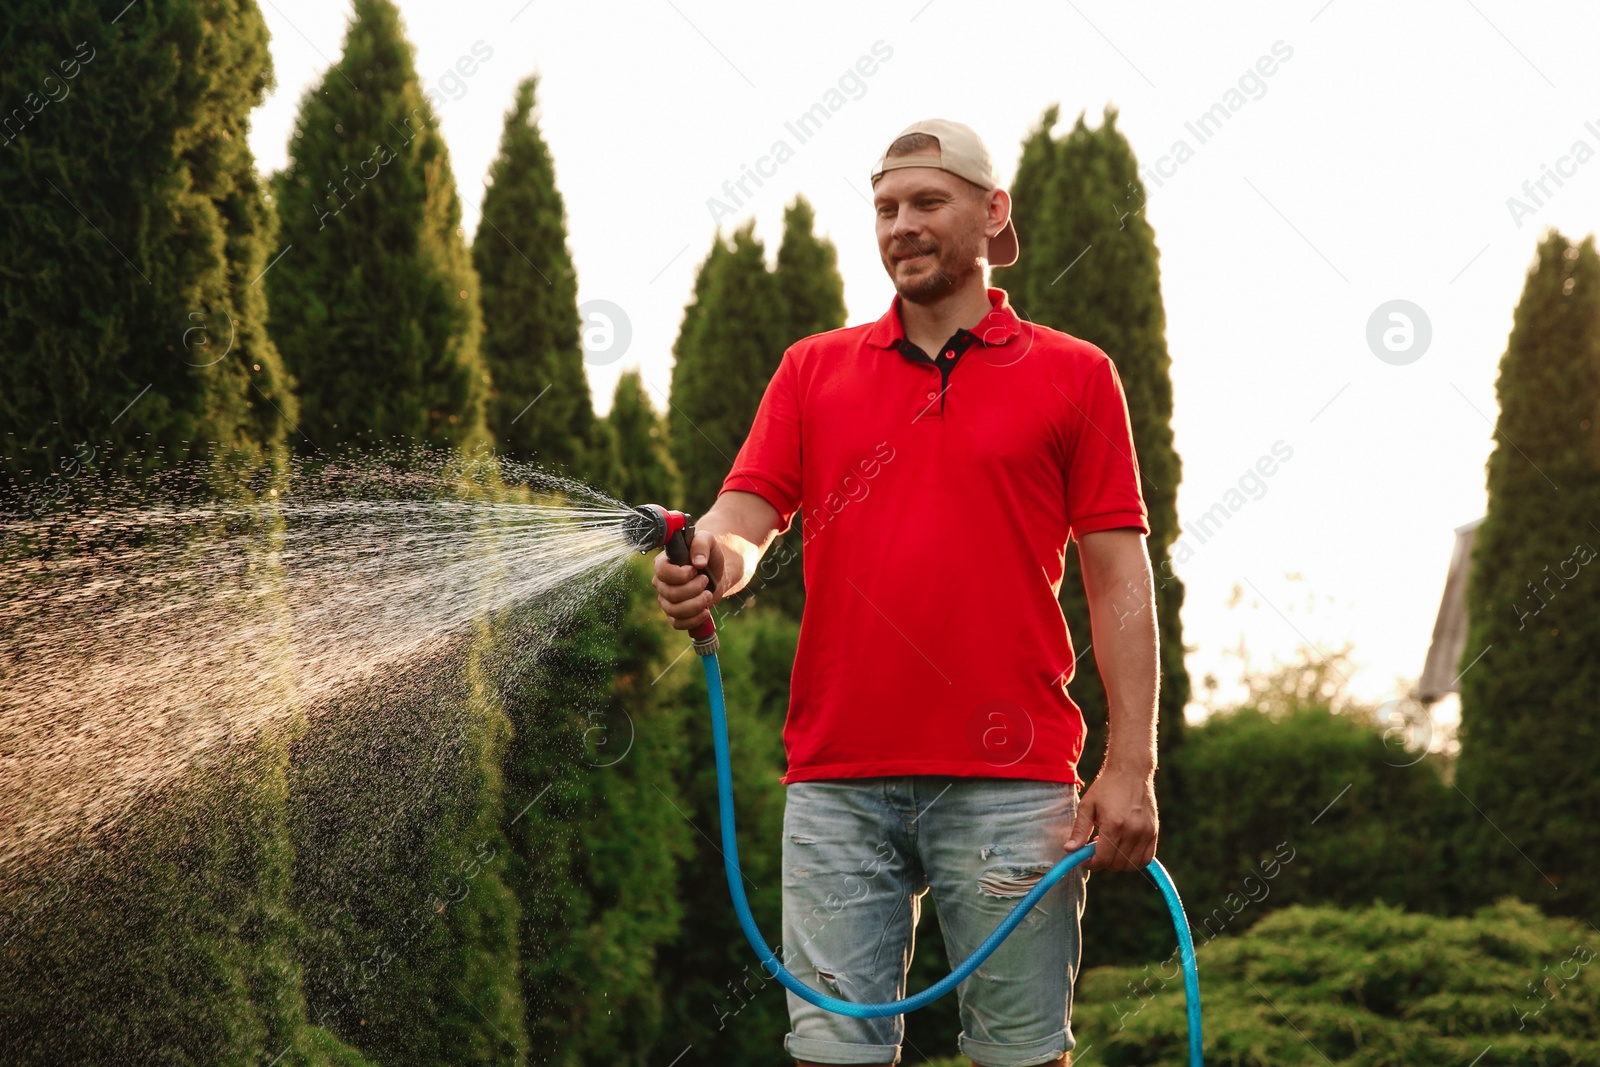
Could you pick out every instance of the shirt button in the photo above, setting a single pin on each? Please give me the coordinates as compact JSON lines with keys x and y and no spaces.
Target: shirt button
{"x":932,"y":395}
{"x":949,"y":355}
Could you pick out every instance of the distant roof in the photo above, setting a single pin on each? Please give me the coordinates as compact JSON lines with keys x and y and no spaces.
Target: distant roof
{"x":1441,"y":672}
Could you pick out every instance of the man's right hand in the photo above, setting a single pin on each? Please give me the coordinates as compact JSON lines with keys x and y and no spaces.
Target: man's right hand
{"x":681,"y":590}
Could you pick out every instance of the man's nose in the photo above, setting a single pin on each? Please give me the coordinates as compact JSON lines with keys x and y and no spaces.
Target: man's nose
{"x":904,"y":223}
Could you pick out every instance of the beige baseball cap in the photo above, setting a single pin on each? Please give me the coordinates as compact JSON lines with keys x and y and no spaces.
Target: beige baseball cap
{"x":962,"y":153}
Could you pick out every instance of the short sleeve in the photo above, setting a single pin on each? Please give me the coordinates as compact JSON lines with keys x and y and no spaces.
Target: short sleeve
{"x":768,"y":463}
{"x":1102,"y":476}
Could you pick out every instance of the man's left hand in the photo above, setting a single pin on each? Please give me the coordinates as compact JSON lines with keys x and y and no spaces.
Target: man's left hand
{"x":1122,"y":804}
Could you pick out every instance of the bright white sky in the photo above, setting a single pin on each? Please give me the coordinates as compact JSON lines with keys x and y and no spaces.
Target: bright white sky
{"x":1376,"y":165}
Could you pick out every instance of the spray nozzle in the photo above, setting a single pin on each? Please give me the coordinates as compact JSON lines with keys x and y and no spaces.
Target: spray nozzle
{"x":649,"y":527}
{"x":653,"y":527}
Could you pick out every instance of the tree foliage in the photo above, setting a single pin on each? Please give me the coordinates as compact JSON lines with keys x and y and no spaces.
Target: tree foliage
{"x":374,"y":299}
{"x":539,"y":404}
{"x":721,"y":1004}
{"x":731,"y":341}
{"x":1087,"y":266}
{"x":647,"y":472}
{"x":1530,"y":682}
{"x":133,"y":225}
{"x":375,"y":303}
{"x":808,"y":276}
{"x":1078,"y":201}
{"x":813,"y":300}
{"x":1378,"y":986}
{"x":595,"y":827}
{"x":133,"y":341}
{"x":741,"y":320}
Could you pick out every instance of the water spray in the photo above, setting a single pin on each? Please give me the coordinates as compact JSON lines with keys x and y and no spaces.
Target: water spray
{"x":653,"y":527}
{"x":151,"y":630}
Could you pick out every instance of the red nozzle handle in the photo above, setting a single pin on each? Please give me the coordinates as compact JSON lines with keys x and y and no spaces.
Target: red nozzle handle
{"x":677,"y":549}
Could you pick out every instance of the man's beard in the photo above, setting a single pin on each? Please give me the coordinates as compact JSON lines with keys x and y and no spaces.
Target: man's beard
{"x":941,"y":274}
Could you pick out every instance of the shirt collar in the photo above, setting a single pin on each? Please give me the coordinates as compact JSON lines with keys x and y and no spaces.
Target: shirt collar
{"x":994,"y":329}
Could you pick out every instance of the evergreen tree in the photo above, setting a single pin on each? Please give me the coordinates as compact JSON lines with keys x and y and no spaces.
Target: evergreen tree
{"x":1080,"y":203}
{"x":411,"y":932}
{"x":539,"y":404}
{"x":732,"y":339}
{"x":1028,"y":279}
{"x":169,"y":940}
{"x":397,"y":802}
{"x":813,"y":300}
{"x":1114,"y":302}
{"x":595,"y":828}
{"x":808,"y":276}
{"x":686,"y":370}
{"x":721,"y":1004}
{"x":375,"y":304}
{"x":135,"y":341}
{"x":374,"y":299}
{"x":647,"y":471}
{"x":128,"y":189}
{"x":1530,"y":681}
{"x":601,"y":462}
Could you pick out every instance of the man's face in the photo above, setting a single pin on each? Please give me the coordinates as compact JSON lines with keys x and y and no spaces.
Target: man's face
{"x":931,"y":230}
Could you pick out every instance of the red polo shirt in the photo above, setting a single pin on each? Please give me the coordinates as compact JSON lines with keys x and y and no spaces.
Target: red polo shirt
{"x":935,"y":496}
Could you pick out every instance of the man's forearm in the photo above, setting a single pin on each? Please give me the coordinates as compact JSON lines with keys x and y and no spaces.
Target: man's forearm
{"x":744,"y":525}
{"x":1127,"y":662}
{"x":1121,"y":597}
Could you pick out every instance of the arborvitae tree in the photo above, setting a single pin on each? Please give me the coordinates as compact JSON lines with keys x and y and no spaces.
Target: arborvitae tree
{"x":1530,"y":739}
{"x":374,"y":299}
{"x":684,"y":357}
{"x":596,"y":825}
{"x":1084,"y":198}
{"x":722,"y":1005}
{"x":130,"y":212}
{"x":539,"y":403}
{"x":168,"y":939}
{"x":813,"y":301}
{"x":808,"y":276}
{"x":375,"y":303}
{"x":1114,"y":302}
{"x":601,"y":463}
{"x":398,"y":797}
{"x":410,"y":946}
{"x":647,"y":471}
{"x":731,"y":341}
{"x":1028,"y":279}
{"x":132,"y":339}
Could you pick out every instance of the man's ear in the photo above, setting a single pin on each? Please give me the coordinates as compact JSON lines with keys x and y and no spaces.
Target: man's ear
{"x":1005,"y":208}
{"x":1003,"y":199}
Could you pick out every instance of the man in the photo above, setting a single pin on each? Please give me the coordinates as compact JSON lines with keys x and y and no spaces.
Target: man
{"x":939,"y":460}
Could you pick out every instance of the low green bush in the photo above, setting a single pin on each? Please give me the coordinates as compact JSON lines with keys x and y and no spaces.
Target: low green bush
{"x":1375,"y":987}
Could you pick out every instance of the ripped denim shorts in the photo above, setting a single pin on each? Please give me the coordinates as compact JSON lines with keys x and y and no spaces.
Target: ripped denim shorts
{"x":859,"y":854}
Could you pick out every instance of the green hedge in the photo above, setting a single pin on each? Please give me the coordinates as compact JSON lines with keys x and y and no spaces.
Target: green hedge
{"x":1319,"y":798}
{"x":1377,"y":987}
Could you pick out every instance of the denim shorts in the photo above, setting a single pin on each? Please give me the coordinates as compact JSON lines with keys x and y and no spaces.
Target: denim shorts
{"x":859,"y":854}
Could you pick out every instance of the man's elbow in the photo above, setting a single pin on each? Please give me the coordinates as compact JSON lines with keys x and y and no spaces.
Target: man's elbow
{"x":1120,"y":551}
{"x":748,"y":515}
{"x":1116,"y":565}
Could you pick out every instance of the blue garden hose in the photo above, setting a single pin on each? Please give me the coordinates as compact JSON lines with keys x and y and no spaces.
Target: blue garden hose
{"x":730,"y":861}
